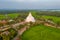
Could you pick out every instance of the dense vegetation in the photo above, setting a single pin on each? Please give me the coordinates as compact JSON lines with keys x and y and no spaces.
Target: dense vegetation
{"x":10,"y":34}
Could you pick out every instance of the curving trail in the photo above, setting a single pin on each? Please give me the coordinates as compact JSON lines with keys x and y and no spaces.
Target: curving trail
{"x":20,"y":31}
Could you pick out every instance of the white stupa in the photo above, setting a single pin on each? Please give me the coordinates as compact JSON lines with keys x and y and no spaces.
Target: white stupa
{"x":30,"y":18}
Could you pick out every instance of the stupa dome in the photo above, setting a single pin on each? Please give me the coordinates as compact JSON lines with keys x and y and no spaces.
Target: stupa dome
{"x":30,"y":18}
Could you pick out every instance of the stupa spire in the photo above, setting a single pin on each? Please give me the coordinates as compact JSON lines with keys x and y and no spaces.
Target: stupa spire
{"x":30,"y":14}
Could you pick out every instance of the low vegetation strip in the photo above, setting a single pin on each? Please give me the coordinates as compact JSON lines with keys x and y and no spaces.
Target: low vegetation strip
{"x":53,"y":18}
{"x":41,"y":32}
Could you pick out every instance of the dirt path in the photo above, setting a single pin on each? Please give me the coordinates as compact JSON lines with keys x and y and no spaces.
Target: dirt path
{"x":20,"y":32}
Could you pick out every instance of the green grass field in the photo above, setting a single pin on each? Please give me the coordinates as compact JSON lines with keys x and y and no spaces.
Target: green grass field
{"x":2,"y":17}
{"x":14,"y":15}
{"x":41,"y":32}
{"x":54,"y":18}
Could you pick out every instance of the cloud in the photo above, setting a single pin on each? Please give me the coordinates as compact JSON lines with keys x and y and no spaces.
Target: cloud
{"x":29,"y":4}
{"x":31,"y":0}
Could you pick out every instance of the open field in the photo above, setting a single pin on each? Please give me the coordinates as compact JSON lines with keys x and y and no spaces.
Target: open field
{"x":14,"y":15}
{"x":41,"y":32}
{"x":54,"y":18}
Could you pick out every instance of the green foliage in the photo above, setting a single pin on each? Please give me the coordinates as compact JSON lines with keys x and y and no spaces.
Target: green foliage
{"x":21,"y":26}
{"x":13,"y":33}
{"x":14,"y":15}
{"x":5,"y":37}
{"x":10,"y":36}
{"x":2,"y":17}
{"x":54,"y":18}
{"x":1,"y":38}
{"x":41,"y":32}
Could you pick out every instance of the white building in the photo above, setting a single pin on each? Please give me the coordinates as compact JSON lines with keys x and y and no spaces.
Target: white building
{"x":30,"y":18}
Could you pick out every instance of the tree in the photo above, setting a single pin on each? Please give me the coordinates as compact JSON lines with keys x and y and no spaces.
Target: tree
{"x":58,"y":23}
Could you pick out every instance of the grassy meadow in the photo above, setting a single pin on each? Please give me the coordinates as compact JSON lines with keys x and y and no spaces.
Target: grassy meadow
{"x":41,"y":32}
{"x":12,"y":15}
{"x":54,"y":18}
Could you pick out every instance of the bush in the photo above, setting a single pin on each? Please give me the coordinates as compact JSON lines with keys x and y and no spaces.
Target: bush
{"x":13,"y":33}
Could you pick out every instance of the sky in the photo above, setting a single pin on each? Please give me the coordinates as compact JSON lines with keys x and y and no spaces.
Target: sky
{"x":29,"y":4}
